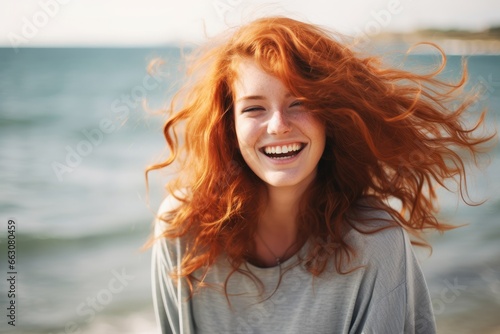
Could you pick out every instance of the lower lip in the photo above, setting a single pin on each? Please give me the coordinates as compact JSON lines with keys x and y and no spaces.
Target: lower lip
{"x":284,"y":161}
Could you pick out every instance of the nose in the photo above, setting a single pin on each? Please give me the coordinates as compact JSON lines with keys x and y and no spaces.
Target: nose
{"x":278,"y":123}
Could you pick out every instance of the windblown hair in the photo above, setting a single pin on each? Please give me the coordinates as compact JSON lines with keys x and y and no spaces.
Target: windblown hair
{"x":392,"y":135}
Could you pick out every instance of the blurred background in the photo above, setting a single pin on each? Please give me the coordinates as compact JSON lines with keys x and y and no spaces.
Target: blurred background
{"x":75,"y":139}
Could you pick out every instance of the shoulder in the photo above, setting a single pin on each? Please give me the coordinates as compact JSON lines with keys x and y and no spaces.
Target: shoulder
{"x":378,"y":239}
{"x":382,"y":248}
{"x":370,"y":219}
{"x":172,"y":202}
{"x":168,"y":206}
{"x":393,"y":291}
{"x":166,"y":250}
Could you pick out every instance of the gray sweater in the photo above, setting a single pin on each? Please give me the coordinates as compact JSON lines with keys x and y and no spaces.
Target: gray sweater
{"x":388,"y":295}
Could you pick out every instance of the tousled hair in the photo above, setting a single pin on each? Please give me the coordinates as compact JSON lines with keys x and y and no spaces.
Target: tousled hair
{"x":392,"y":136}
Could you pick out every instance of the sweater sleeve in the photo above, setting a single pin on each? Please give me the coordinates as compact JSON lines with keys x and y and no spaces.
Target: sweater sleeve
{"x":407,"y":308}
{"x":172,"y":309}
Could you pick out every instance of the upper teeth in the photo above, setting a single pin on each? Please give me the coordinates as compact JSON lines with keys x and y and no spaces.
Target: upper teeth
{"x":282,"y":149}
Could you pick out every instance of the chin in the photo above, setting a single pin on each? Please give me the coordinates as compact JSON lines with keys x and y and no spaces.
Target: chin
{"x":282,"y":181}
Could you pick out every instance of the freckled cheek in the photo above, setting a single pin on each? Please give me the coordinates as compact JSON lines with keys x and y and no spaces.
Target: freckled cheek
{"x":243,"y":144}
{"x":247,"y":134}
{"x":307,"y":120}
{"x":305,"y":117}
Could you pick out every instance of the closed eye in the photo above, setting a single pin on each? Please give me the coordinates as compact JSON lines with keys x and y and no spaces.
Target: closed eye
{"x":253,"y":108}
{"x":296,"y":104}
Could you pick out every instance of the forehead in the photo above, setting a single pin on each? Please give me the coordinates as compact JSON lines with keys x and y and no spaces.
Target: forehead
{"x":251,"y":79}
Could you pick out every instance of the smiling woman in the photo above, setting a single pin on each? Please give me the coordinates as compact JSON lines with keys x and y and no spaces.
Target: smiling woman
{"x":278,"y":138}
{"x":280,"y":217}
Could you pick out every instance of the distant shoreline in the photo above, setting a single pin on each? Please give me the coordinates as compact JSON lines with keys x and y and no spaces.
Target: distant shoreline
{"x":453,"y":41}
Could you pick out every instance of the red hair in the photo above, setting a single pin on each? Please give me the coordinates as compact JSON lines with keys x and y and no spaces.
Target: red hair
{"x":391,"y":135}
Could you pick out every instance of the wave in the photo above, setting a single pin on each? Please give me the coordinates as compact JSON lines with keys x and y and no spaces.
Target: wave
{"x":31,"y":121}
{"x":31,"y":243}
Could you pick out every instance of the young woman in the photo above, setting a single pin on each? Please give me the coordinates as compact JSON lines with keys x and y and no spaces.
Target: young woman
{"x":303,"y":170}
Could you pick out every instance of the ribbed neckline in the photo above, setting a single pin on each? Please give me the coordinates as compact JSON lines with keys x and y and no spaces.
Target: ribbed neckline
{"x":294,"y":259}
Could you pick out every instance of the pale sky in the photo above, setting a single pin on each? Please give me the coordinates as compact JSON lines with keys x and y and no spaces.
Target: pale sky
{"x":152,"y":22}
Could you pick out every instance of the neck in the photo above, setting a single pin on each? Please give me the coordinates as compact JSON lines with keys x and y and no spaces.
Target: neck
{"x":277,"y":228}
{"x":281,"y":209}
{"x":280,"y":213}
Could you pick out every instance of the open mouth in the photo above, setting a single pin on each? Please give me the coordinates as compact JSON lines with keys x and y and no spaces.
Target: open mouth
{"x":283,"y":151}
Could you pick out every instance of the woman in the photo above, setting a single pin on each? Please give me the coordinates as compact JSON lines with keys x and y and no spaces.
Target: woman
{"x":303,"y":170}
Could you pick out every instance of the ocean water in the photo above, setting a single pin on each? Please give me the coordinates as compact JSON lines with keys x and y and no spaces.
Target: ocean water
{"x":74,"y":142}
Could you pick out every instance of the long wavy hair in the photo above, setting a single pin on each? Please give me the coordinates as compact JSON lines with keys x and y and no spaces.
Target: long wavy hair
{"x":392,"y":135}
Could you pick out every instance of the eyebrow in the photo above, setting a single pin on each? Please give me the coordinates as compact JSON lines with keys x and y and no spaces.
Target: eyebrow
{"x":251,"y":97}
{"x":257,"y":97}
